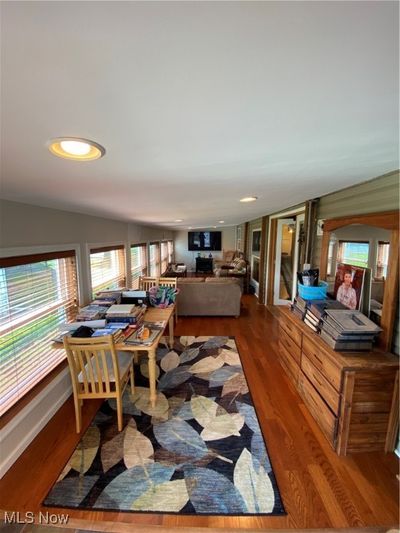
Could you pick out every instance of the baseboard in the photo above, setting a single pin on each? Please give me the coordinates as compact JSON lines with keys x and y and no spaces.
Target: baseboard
{"x":16,"y":436}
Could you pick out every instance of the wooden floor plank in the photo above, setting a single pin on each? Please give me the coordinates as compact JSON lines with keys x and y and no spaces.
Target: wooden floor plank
{"x":318,"y":488}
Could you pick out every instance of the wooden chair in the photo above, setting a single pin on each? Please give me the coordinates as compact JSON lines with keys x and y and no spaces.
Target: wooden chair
{"x":170,"y":282}
{"x":97,"y":371}
{"x":146,"y":282}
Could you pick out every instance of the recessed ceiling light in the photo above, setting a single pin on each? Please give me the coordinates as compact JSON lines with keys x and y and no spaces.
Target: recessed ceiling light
{"x":221,"y":221}
{"x":76,"y":149}
{"x":214,"y":227}
{"x":248,"y":199}
{"x":179,"y":220}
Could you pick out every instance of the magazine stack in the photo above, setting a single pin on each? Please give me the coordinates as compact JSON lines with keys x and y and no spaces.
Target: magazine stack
{"x":126,"y":313}
{"x":348,"y":330}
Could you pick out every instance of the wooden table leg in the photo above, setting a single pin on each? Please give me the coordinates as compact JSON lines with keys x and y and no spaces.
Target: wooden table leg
{"x":152,"y":376}
{"x":171,"y":331}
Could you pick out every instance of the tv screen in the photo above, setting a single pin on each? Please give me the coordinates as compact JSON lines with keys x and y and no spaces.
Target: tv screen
{"x":204,"y":241}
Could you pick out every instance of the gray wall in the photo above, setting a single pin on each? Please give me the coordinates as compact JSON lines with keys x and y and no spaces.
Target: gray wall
{"x":23,"y":226}
{"x":377,"y":195}
{"x":182,"y":254}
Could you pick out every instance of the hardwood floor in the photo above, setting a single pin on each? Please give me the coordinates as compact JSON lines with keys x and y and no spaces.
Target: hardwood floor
{"x":319,"y":489}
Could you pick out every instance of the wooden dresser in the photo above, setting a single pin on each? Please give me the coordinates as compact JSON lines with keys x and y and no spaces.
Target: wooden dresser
{"x":352,"y":396}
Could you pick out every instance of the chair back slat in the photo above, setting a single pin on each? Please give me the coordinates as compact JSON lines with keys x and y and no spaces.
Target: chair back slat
{"x":168,"y":282}
{"x":87,"y":358}
{"x":146,"y":282}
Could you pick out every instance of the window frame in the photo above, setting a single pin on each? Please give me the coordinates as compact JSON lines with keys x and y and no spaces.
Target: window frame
{"x":340,"y":243}
{"x":158,"y":259}
{"x":98,"y":248}
{"x":164,"y":260}
{"x":25,"y":256}
{"x":144,"y":246}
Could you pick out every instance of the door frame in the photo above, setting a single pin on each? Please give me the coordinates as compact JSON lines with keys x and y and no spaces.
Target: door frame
{"x":278,"y":260}
{"x":270,"y":270}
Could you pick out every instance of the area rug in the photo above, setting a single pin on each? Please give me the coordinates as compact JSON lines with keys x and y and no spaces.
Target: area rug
{"x":199,"y":451}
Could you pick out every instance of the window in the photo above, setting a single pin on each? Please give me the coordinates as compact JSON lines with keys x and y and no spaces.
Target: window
{"x":170,"y":251}
{"x":382,"y":259}
{"x":107,"y":268}
{"x":38,"y":293}
{"x":138,"y":263}
{"x":154,"y":250}
{"x":353,"y":253}
{"x":330,"y":257}
{"x":164,"y":257}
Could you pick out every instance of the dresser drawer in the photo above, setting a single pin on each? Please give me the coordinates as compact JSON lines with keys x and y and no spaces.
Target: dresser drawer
{"x":292,"y":330}
{"x":317,"y":407}
{"x":320,"y":359}
{"x":290,"y":345}
{"x":288,"y":363}
{"x":325,"y":389}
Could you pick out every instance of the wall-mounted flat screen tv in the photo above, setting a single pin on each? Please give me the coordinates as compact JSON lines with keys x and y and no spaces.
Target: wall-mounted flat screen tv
{"x":204,"y":241}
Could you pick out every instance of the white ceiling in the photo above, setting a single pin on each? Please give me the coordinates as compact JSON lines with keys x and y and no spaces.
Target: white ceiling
{"x":197,"y":104}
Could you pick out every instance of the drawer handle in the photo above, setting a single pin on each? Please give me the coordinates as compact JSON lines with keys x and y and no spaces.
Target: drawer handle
{"x":317,"y":358}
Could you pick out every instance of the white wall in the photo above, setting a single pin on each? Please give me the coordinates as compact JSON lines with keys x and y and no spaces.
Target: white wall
{"x":182,"y":254}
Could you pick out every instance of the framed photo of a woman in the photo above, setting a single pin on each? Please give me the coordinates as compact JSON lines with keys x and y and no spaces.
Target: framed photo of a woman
{"x":348,"y":287}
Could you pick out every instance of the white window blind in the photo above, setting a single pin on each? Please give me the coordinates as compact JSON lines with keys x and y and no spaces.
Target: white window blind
{"x":164,"y":257}
{"x":154,"y":262}
{"x":138,"y":263}
{"x":107,"y":268}
{"x":37,"y":294}
{"x":170,"y":251}
{"x":382,"y":259}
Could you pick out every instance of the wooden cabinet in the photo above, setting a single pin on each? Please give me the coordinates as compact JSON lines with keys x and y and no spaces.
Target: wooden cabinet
{"x":352,"y":396}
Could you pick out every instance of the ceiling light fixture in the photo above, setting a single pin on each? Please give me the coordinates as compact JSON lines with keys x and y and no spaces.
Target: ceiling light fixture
{"x":76,"y":149}
{"x":179,"y":220}
{"x":221,"y":221}
{"x":248,"y":199}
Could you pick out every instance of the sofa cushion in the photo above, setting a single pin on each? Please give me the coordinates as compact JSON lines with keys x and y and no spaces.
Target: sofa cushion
{"x":222,"y":280}
{"x":190,"y":280}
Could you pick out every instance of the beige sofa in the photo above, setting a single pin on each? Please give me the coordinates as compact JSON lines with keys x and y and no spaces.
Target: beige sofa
{"x":209,"y":297}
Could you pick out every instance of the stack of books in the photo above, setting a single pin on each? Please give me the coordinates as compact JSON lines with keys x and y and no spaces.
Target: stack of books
{"x":315,"y":311}
{"x":125,"y":313}
{"x":92,"y":312}
{"x":348,"y":330}
{"x":106,"y":301}
{"x":114,"y":329}
{"x":299,"y":307}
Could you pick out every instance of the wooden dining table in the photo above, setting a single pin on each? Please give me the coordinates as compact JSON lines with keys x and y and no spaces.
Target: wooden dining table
{"x":153,"y":314}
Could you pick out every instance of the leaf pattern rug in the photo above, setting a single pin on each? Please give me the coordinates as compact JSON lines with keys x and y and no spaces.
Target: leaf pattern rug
{"x":199,"y":451}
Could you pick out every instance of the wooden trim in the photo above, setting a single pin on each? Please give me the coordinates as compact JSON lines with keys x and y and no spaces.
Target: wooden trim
{"x":246,"y":240}
{"x":6,"y":262}
{"x":387,"y":220}
{"x":345,"y":412}
{"x":139,"y":244}
{"x":107,"y":248}
{"x":31,"y":394}
{"x":390,"y":296}
{"x":323,"y":267}
{"x":261,"y":281}
{"x":271,"y":261}
{"x":393,"y":424}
